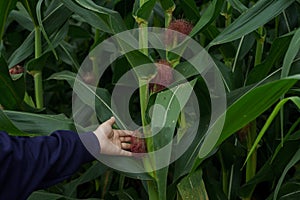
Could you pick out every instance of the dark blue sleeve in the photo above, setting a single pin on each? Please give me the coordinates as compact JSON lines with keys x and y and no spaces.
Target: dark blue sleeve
{"x":31,"y":163}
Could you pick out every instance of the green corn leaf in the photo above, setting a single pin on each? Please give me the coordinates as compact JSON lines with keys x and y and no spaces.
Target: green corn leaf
{"x":143,"y":13}
{"x":5,"y":8}
{"x":227,"y":50}
{"x":270,"y":170}
{"x":278,"y":50}
{"x":211,"y":13}
{"x":57,"y":38}
{"x":126,"y":194}
{"x":64,"y":50}
{"x":39,"y":124}
{"x":91,"y":17}
{"x":38,"y":195}
{"x":37,"y":64}
{"x":292,"y":162}
{"x":247,"y":107}
{"x":261,"y":13}
{"x":12,"y":90}
{"x":30,"y":6}
{"x":30,"y":124}
{"x":190,"y":10}
{"x":291,"y":54}
{"x":13,"y":94}
{"x":172,"y":101}
{"x":184,"y":164}
{"x":295,"y":100}
{"x":40,"y":22}
{"x":288,"y":191}
{"x":238,"y":5}
{"x":94,"y":7}
{"x":21,"y":16}
{"x":7,"y":126}
{"x":286,"y":137}
{"x":52,"y":23}
{"x":167,"y":5}
{"x":86,"y":93}
{"x":102,"y":18}
{"x":93,"y":172}
{"x":24,"y":51}
{"x":192,"y":187}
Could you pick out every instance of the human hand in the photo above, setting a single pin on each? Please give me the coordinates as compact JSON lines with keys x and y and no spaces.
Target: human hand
{"x":112,"y":141}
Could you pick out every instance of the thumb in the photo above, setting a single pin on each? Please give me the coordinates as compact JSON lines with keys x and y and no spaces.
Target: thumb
{"x":111,"y":121}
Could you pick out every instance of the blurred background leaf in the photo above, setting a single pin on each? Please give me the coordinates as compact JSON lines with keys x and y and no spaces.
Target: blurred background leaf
{"x":5,"y":8}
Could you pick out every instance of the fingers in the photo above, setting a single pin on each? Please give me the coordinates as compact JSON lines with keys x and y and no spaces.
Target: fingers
{"x":125,"y":146}
{"x":113,"y":149}
{"x":125,"y":139}
{"x":124,"y":133}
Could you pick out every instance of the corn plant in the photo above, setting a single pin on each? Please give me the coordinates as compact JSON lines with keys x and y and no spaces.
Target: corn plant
{"x":254,"y":45}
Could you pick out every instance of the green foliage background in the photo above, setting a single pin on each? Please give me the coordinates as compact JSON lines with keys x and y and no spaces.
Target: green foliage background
{"x":255,"y":45}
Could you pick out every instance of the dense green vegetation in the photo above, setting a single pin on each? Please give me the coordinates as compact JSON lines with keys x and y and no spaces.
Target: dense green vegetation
{"x":255,"y":45}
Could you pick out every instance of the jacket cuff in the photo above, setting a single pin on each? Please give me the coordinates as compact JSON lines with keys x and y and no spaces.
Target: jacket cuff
{"x":91,"y":144}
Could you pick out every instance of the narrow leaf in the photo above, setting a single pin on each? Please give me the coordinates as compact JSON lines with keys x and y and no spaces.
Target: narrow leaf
{"x":89,"y":94}
{"x":261,"y":13}
{"x":93,"y":172}
{"x":21,"y":16}
{"x":211,"y":13}
{"x":7,"y":126}
{"x":295,"y":100}
{"x":5,"y":8}
{"x":102,"y":18}
{"x":286,"y":137}
{"x":238,"y":5}
{"x":30,"y":6}
{"x":64,"y":48}
{"x":13,"y":97}
{"x":190,"y":10}
{"x":91,"y":17}
{"x":57,"y":38}
{"x":167,"y":5}
{"x":52,"y":23}
{"x":39,"y":124}
{"x":37,"y":63}
{"x":291,"y":54}
{"x":94,"y":7}
{"x":292,"y":162}
{"x":38,"y":195}
{"x":40,"y":22}
{"x":248,"y":106}
{"x":278,"y":50}
{"x":144,"y":12}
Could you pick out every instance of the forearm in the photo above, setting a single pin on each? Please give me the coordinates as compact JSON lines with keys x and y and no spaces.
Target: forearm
{"x":27,"y":164}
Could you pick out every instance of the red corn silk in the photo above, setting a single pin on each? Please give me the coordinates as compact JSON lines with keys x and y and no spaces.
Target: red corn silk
{"x":16,"y":70}
{"x":138,"y":144}
{"x":164,"y":76}
{"x":179,"y":25}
